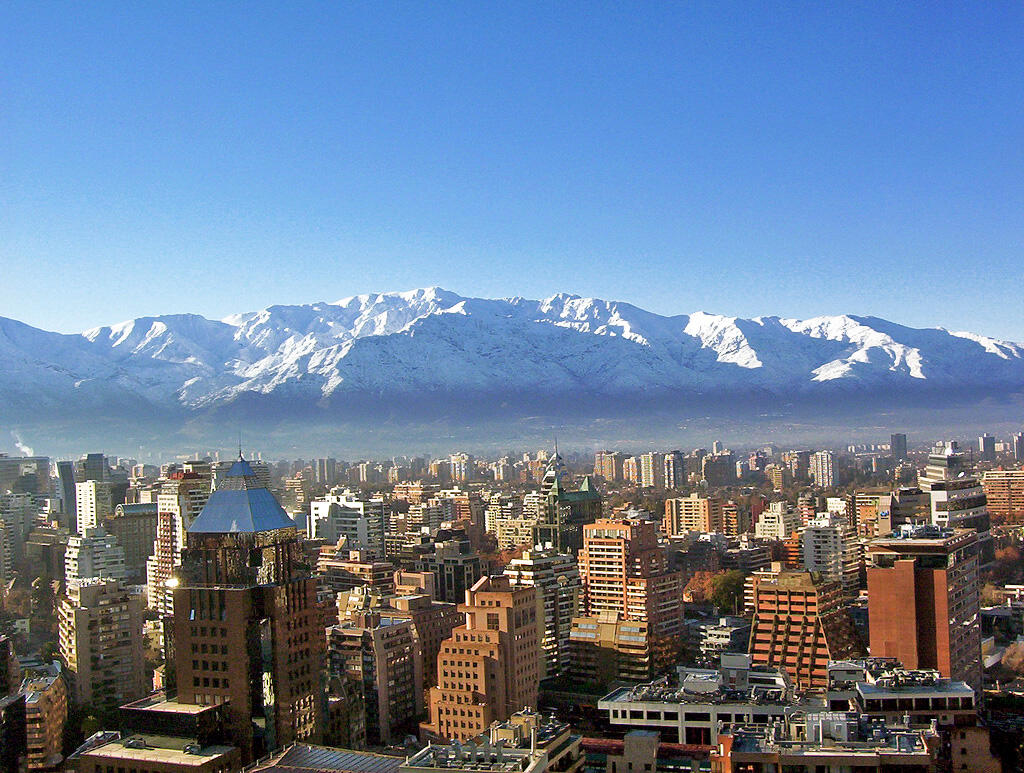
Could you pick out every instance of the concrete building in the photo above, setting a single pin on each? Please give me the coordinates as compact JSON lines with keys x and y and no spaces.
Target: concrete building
{"x":381,"y":654}
{"x":607,"y":647}
{"x":94,"y":553}
{"x":134,"y":526}
{"x":608,"y":465}
{"x":1004,"y":494}
{"x":489,"y":668}
{"x":693,"y":513}
{"x":180,"y":498}
{"x":778,"y":522}
{"x":822,"y":469}
{"x":799,"y":625}
{"x":456,"y":567}
{"x":100,"y":642}
{"x":829,"y":546}
{"x":704,"y":701}
{"x":559,"y":589}
{"x":92,"y":498}
{"x":345,"y":515}
{"x":987,"y":448}
{"x":957,"y":497}
{"x":246,"y":627}
{"x":624,"y":570}
{"x":340,"y":569}
{"x":652,"y":470}
{"x":923,"y":605}
{"x":46,"y":712}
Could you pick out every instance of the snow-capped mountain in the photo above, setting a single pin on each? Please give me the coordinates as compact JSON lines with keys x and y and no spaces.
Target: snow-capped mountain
{"x":429,"y":347}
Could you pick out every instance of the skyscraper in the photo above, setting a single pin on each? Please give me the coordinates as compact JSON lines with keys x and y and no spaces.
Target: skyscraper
{"x":822,"y":469}
{"x":246,"y":628}
{"x":564,"y":512}
{"x":957,"y":497}
{"x":923,"y":603}
{"x":987,"y":448}
{"x":898,"y":446}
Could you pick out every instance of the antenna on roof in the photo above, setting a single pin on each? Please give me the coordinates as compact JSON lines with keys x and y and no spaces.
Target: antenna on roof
{"x":240,"y":444}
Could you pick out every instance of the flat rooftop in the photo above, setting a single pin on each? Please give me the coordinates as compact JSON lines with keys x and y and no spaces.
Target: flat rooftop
{"x":160,"y":749}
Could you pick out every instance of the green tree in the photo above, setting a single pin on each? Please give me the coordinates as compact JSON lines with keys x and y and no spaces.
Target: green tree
{"x":727,"y":591}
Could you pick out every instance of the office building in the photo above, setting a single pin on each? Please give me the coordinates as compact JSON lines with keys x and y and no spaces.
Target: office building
{"x":134,"y":526}
{"x":559,"y":588}
{"x":1017,"y":446}
{"x":339,"y":569}
{"x":246,"y":627}
{"x":987,"y":448}
{"x":455,"y":566}
{"x":923,"y":606}
{"x":799,"y":625}
{"x":898,"y":446}
{"x":564,"y":512}
{"x":100,"y":642}
{"x":489,"y":668}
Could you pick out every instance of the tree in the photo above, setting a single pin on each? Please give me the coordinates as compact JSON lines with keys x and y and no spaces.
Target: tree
{"x":727,"y":591}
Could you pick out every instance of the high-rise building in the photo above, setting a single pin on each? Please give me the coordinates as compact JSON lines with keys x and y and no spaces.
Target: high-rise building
{"x":101,"y":642}
{"x":898,"y":446}
{"x":652,"y":470}
{"x":343,"y":514}
{"x":381,"y":654}
{"x":180,"y":498}
{"x":1004,"y":492}
{"x":823,"y":469}
{"x":625,"y":570}
{"x":829,"y":546}
{"x":923,"y":603}
{"x":509,"y":522}
{"x":66,"y":490}
{"x":340,"y":569}
{"x":1017,"y":443}
{"x":456,"y":567}
{"x":246,"y":626}
{"x":693,"y":513}
{"x":957,"y":497}
{"x":134,"y":526}
{"x":565,"y":512}
{"x":434,"y":622}
{"x":608,"y":465}
{"x":93,"y":503}
{"x":778,"y":522}
{"x":94,"y":553}
{"x":46,"y":712}
{"x":987,"y":448}
{"x":675,"y":470}
{"x":489,"y":668}
{"x":799,"y":625}
{"x":559,"y":588}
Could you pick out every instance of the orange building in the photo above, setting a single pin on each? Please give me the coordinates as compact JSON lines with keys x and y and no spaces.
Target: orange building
{"x":799,"y":626}
{"x":1004,"y":490}
{"x":693,"y":513}
{"x":489,"y":668}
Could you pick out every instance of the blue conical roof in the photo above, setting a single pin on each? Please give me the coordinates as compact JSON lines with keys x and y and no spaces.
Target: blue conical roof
{"x":240,"y":504}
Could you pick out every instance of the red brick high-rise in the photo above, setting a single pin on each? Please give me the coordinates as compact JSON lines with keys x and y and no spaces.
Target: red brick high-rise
{"x":923,"y":603}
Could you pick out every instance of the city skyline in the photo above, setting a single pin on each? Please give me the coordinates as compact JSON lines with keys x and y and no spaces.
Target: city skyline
{"x":760,"y":161}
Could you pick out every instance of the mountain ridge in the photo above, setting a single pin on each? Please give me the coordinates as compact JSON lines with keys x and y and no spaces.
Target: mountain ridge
{"x":367,"y":351}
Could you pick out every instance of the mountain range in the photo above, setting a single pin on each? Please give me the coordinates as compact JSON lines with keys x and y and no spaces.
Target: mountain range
{"x":417,"y":355}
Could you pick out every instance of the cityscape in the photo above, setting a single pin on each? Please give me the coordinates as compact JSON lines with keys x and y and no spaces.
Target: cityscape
{"x":511,"y":387}
{"x":679,"y":609}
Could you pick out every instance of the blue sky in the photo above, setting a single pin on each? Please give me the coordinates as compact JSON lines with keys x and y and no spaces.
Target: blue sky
{"x":793,"y":159}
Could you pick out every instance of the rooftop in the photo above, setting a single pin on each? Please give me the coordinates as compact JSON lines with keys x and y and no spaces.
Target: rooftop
{"x":241,"y":504}
{"x":302,"y":757}
{"x":160,"y":749}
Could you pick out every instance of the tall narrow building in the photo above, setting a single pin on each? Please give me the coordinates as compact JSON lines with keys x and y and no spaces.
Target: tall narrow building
{"x":958,"y":499}
{"x":564,"y":513}
{"x":246,"y":628}
{"x":923,"y":603}
{"x":489,"y":668}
